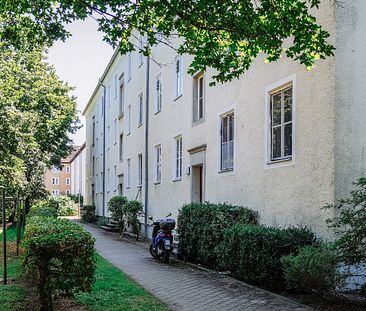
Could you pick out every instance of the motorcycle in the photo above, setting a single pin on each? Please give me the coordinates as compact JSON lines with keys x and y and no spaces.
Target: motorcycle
{"x":162,"y":239}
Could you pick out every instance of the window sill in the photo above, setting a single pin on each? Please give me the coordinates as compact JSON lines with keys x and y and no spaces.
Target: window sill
{"x":198,"y":122}
{"x":177,"y":179}
{"x":140,"y":65}
{"x":279,"y":161}
{"x":138,"y":126}
{"x":228,"y":170}
{"x":157,"y":183}
{"x":156,"y":112}
{"x":177,"y":97}
{"x":128,"y":187}
{"x":128,"y":134}
{"x":121,"y":115}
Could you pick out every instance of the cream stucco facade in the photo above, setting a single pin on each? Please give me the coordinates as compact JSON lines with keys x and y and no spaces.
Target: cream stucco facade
{"x":317,"y":163}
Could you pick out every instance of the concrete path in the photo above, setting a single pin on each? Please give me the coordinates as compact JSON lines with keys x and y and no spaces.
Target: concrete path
{"x":182,"y":287}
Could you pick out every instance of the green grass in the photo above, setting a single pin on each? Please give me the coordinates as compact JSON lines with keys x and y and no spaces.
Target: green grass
{"x":11,"y":296}
{"x":113,"y":290}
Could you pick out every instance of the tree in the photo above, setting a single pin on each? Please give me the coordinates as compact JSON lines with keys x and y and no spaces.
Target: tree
{"x":36,"y":115}
{"x":225,"y":35}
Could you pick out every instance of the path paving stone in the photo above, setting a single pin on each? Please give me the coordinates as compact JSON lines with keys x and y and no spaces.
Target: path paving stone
{"x":184,"y":288}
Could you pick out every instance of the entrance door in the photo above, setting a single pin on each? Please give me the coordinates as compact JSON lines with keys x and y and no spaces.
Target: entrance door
{"x":197,"y":183}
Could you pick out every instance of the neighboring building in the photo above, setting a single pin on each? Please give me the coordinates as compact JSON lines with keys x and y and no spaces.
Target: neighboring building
{"x":280,"y":140}
{"x":78,"y":172}
{"x":67,"y":180}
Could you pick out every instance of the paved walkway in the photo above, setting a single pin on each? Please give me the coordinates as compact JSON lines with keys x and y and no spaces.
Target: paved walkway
{"x":182,"y":287}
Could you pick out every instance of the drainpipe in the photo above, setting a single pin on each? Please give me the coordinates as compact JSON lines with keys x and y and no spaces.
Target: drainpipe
{"x":147,"y":142}
{"x":103,"y":181}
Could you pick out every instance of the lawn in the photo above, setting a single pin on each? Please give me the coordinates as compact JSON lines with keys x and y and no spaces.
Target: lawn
{"x":113,"y":290}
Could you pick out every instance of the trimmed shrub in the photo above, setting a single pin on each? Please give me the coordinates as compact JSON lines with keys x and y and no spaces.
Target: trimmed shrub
{"x":59,"y":255}
{"x":88,"y":213}
{"x":116,"y":206}
{"x":42,"y":209}
{"x":313,"y":270}
{"x":201,"y":227}
{"x":63,"y":204}
{"x":132,"y":211}
{"x":253,"y":253}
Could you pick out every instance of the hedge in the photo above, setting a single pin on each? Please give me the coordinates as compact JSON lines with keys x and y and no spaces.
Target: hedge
{"x":253,"y":253}
{"x":201,"y":227}
{"x":42,"y":209}
{"x":88,"y":213}
{"x":59,"y":255}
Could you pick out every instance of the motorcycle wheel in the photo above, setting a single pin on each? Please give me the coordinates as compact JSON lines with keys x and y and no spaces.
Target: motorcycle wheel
{"x":152,"y":252}
{"x":165,"y":255}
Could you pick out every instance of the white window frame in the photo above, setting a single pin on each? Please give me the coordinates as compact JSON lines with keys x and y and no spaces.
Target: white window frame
{"x":140,"y":109}
{"x":55,"y":170}
{"x":55,"y":181}
{"x":121,"y":141}
{"x":221,"y":167}
{"x":115,"y":186}
{"x":129,"y":67}
{"x":108,"y":180}
{"x":178,"y":76}
{"x":108,"y":138}
{"x":178,"y":158}
{"x":122,"y":95}
{"x":115,"y":131}
{"x":115,"y":86}
{"x":128,"y":119}
{"x":128,"y":179}
{"x":139,"y":170}
{"x":108,"y":96}
{"x":55,"y":192}
{"x":101,"y":182}
{"x":67,"y":191}
{"x":199,"y":95}
{"x":158,"y":163}
{"x":158,"y":93}
{"x":68,"y":181}
{"x":68,"y":169}
{"x":269,"y":90}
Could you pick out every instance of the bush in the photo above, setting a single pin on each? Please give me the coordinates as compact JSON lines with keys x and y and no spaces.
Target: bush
{"x":88,"y":213}
{"x":350,"y":225}
{"x":313,"y":270}
{"x":253,"y":253}
{"x":116,"y":206}
{"x":75,"y":198}
{"x":42,"y":209}
{"x":63,"y":205}
{"x":201,"y":227}
{"x":59,"y":255}
{"x":132,"y":211}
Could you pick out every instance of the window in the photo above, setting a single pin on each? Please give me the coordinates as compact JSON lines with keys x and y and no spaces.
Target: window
{"x":227,"y":142}
{"x":115,"y":86}
{"x":55,"y":170}
{"x":67,"y":191}
{"x":55,"y":192}
{"x":158,"y":94}
{"x":178,"y":76}
{"x":121,"y":147}
{"x":68,"y":169}
{"x":128,"y":173}
{"x":178,"y":158}
{"x":101,"y":182}
{"x":141,"y":47}
{"x":93,"y":130}
{"x":67,"y":181}
{"x":108,"y":180}
{"x":96,"y":183}
{"x":139,"y":172}
{"x":128,"y":119}
{"x":55,"y":181}
{"x":115,"y":177}
{"x":108,"y":136}
{"x":109,"y":96}
{"x":115,"y":131}
{"x":140,"y":103}
{"x":158,"y":164}
{"x":129,"y":69}
{"x":198,"y":99}
{"x":281,"y":124}
{"x":102,"y":103}
{"x":93,"y":166}
{"x":121,"y":96}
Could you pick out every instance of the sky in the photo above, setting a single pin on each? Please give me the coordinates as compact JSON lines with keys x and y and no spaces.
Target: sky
{"x":80,"y":61}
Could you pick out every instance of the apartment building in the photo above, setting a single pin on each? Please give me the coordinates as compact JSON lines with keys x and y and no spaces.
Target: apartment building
{"x":69,"y":179}
{"x":281,"y":140}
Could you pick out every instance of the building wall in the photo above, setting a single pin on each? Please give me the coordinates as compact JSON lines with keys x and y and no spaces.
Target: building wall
{"x":63,"y":176}
{"x":78,"y":173}
{"x":287,"y":193}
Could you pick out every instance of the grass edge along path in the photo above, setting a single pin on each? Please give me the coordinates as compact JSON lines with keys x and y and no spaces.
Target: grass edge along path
{"x":113,"y":290}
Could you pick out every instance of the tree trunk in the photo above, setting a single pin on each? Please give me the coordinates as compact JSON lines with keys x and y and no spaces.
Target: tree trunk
{"x":45,"y":296}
